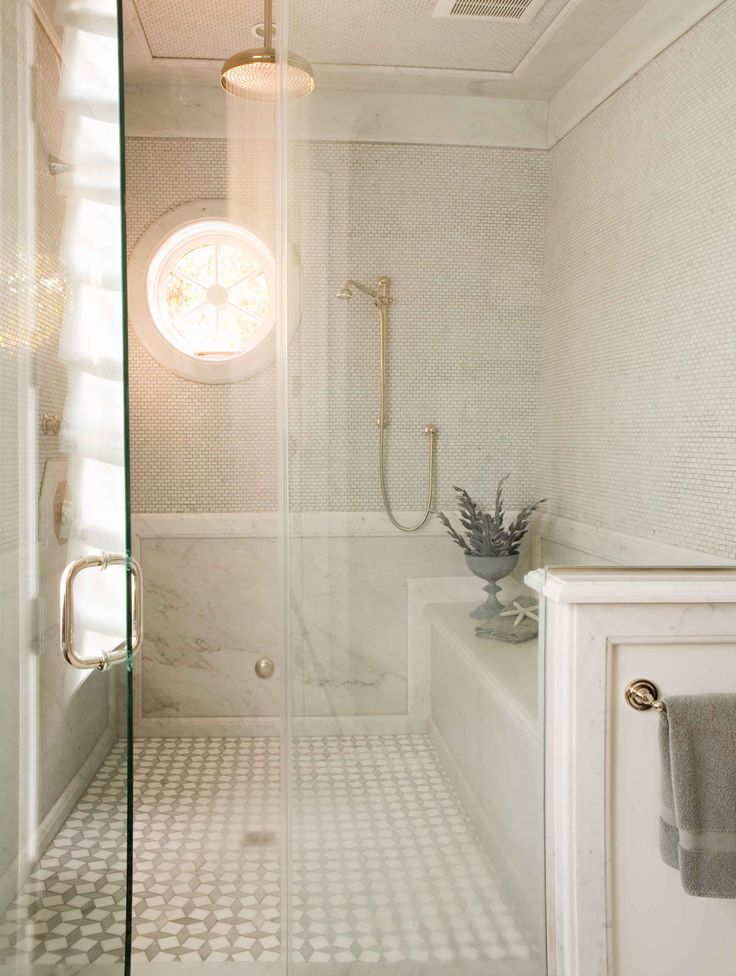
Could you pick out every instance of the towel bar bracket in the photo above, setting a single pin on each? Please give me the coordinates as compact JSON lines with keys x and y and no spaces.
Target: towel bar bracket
{"x":642,"y":695}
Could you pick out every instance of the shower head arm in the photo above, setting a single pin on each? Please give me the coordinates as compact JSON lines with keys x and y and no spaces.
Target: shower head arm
{"x":380,"y":295}
{"x":351,"y":283}
{"x":268,"y":23}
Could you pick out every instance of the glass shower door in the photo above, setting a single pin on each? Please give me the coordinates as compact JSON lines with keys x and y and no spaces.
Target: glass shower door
{"x":415,"y":743}
{"x":65,"y":577}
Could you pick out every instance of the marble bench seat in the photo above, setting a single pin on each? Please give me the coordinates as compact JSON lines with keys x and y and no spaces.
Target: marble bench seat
{"x":485,"y":724}
{"x":509,"y":672}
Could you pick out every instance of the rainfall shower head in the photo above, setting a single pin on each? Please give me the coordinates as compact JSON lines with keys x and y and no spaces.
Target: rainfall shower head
{"x":344,"y":292}
{"x":252,"y":74}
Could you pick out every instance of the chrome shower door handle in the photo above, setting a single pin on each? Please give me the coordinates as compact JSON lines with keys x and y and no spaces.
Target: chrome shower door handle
{"x":105,"y":659}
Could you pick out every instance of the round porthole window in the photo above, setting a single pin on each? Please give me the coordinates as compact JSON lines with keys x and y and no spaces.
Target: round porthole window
{"x":210,"y":290}
{"x":202,"y":292}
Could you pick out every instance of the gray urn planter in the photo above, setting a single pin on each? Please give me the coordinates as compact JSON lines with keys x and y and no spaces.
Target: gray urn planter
{"x":491,"y":569}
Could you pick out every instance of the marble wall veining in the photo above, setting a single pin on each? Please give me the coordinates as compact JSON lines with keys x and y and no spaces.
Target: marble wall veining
{"x":349,"y":638}
{"x":213,"y":607}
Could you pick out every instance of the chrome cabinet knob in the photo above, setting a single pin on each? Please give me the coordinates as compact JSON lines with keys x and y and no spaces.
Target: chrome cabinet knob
{"x":265,"y":667}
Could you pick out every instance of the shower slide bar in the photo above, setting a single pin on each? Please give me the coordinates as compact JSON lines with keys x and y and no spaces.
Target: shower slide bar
{"x":643,"y":695}
{"x":382,"y":299}
{"x":105,"y":659}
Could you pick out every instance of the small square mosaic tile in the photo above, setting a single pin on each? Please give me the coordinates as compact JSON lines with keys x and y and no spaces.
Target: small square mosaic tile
{"x":386,"y":866}
{"x":490,"y":202}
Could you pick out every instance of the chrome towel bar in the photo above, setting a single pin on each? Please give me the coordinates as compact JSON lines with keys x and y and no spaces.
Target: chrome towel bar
{"x":642,"y":695}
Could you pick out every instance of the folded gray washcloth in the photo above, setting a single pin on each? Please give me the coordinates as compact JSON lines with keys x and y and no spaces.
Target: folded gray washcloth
{"x":697,"y":829}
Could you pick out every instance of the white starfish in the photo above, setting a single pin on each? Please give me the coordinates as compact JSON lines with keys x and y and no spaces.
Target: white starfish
{"x":516,"y":610}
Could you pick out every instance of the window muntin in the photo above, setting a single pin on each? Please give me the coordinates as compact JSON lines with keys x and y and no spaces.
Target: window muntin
{"x":210,"y":288}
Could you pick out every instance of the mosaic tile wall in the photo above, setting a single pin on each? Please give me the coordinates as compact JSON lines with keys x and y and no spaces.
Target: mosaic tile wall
{"x":460,"y":231}
{"x":638,"y":384}
{"x":34,"y":771}
{"x":32,"y":382}
{"x":195,"y":447}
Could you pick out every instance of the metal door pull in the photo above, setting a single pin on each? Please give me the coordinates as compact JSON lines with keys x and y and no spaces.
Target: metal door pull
{"x":120,"y":653}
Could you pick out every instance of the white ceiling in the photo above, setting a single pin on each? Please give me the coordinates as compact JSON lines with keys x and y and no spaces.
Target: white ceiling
{"x":379,"y":44}
{"x":377,"y":32}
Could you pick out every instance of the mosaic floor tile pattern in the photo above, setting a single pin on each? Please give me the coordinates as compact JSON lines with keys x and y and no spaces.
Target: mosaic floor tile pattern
{"x":206,"y":850}
{"x":387,"y":868}
{"x":72,"y":909}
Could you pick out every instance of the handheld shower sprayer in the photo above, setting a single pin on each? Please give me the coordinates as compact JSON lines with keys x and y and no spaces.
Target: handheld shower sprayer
{"x":379,"y":295}
{"x":381,"y":299}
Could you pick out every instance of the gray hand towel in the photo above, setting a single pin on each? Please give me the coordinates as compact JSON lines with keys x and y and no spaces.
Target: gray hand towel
{"x":697,"y":740}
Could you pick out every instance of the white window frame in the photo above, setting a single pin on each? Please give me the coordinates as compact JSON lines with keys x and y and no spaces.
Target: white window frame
{"x":146,"y":266}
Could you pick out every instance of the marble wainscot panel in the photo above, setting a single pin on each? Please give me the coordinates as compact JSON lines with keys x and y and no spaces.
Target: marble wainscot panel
{"x":212,"y":607}
{"x":558,"y":541}
{"x":349,"y":598}
{"x":211,"y":610}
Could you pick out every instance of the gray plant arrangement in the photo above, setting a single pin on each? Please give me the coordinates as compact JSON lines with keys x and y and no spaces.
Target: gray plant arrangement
{"x":485,"y":533}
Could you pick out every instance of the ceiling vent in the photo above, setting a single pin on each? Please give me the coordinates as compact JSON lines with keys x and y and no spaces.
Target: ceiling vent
{"x":507,"y":11}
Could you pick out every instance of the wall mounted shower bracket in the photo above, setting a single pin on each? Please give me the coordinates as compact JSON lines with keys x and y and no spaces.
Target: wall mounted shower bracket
{"x":381,"y":298}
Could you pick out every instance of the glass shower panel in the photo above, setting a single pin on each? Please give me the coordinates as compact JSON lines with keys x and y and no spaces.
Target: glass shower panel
{"x":415,"y":775}
{"x":207,"y":880}
{"x":63,"y":733}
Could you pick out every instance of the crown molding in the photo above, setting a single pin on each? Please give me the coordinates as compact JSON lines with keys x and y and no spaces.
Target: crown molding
{"x":456,"y":120}
{"x":364,"y":103}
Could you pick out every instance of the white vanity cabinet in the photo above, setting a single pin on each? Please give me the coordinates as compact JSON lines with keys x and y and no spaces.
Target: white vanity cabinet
{"x":614,"y":908}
